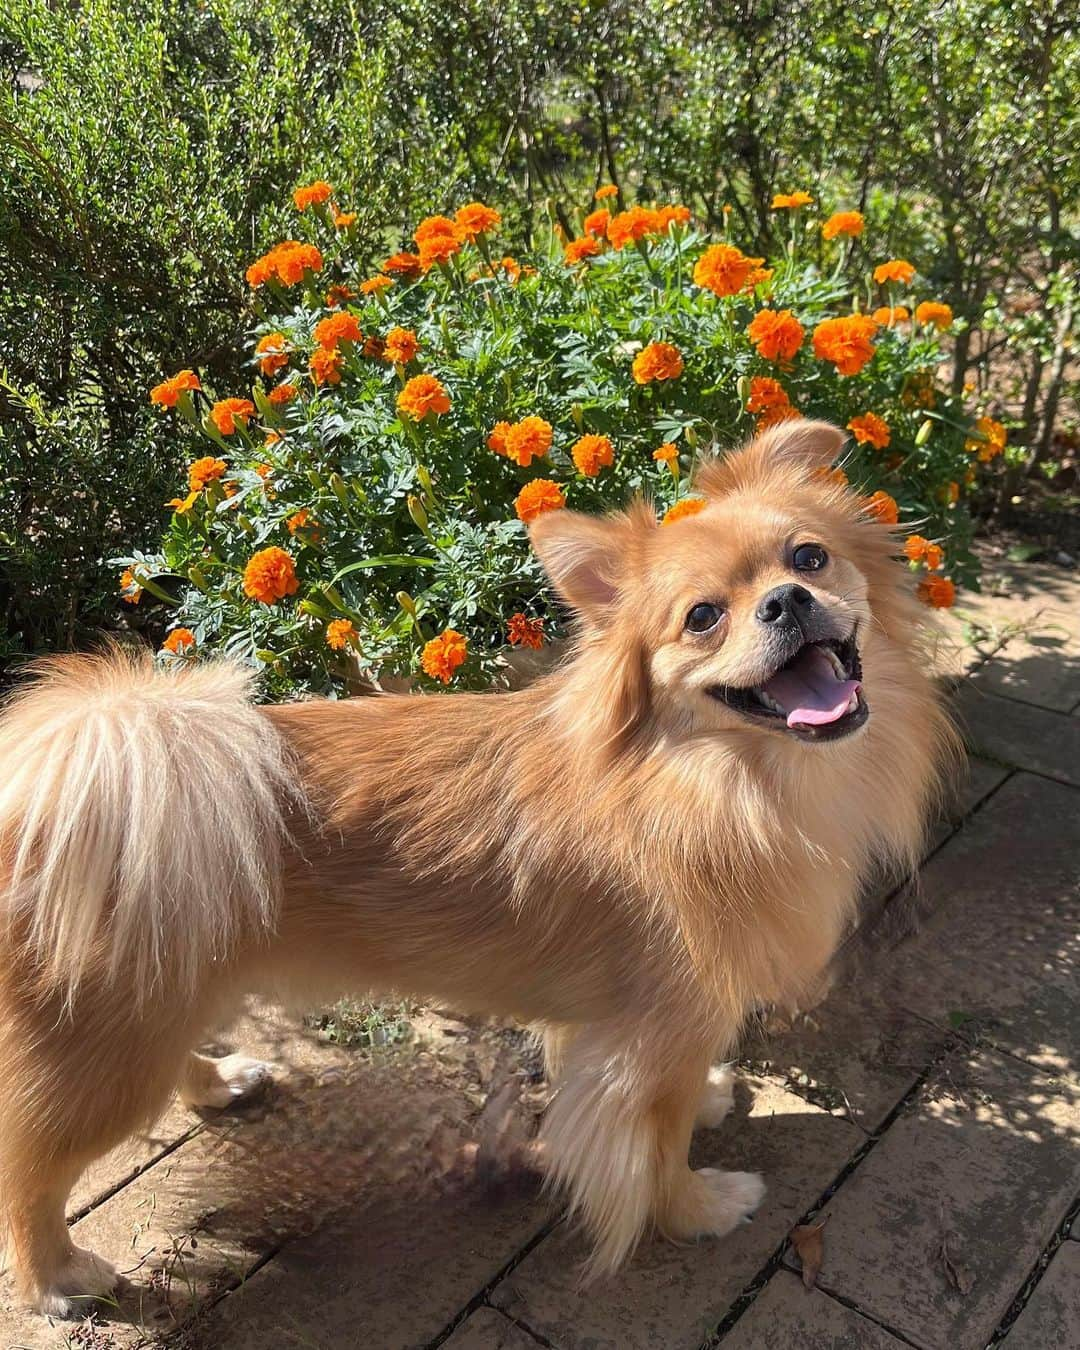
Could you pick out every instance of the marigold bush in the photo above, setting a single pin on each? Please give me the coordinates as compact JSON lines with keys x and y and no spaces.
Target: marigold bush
{"x":367,"y":517}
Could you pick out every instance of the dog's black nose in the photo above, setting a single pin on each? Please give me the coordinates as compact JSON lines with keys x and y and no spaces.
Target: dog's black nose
{"x":786,"y":606}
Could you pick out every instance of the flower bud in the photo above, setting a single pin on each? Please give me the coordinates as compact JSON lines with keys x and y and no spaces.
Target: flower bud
{"x":743,"y":388}
{"x":578,"y":414}
{"x":924,"y":432}
{"x":407,"y":603}
{"x":197,"y":577}
{"x":417,"y":512}
{"x":315,"y":481}
{"x":337,"y":486}
{"x":691,"y":438}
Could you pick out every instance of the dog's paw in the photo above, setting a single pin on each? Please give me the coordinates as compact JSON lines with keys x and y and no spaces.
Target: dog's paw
{"x":228,"y":1081}
{"x":83,"y":1278}
{"x":734,"y":1196}
{"x":716,"y":1100}
{"x":712,"y":1203}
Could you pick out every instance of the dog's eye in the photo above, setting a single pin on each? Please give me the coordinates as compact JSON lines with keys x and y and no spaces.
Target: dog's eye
{"x":703,"y":617}
{"x":809,"y":558}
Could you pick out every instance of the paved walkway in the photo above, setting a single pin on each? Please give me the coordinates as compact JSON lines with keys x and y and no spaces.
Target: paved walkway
{"x":928,"y":1111}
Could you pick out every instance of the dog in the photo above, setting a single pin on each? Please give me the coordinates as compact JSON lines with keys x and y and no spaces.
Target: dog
{"x":632,"y":853}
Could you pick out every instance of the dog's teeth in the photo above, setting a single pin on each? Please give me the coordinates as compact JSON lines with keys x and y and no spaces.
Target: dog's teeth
{"x":853,"y":702}
{"x":837,"y":664}
{"x":767,"y":701}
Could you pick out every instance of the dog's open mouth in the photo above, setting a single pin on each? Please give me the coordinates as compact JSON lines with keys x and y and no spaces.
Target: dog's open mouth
{"x":816,"y":695}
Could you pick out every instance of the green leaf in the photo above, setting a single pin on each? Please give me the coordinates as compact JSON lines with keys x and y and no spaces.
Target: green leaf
{"x":381,"y":560}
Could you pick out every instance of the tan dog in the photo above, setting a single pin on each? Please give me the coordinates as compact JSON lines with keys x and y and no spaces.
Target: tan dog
{"x":632,"y":852}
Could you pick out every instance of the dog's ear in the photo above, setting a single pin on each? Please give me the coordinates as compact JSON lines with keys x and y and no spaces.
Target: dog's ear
{"x":587,"y":557}
{"x":798,"y":444}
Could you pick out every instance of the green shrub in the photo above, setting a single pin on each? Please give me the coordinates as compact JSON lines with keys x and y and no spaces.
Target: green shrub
{"x":341,"y":532}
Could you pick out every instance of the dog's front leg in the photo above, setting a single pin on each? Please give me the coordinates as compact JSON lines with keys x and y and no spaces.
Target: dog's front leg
{"x":617,"y":1137}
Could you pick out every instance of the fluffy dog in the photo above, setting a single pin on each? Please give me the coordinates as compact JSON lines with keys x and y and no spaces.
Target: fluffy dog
{"x":631,"y":853}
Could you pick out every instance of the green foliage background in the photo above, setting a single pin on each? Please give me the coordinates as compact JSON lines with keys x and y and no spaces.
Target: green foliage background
{"x":147,"y":149}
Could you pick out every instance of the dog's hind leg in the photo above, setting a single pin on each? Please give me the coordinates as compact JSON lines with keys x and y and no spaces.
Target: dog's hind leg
{"x":77,"y":1081}
{"x":217,"y":1083}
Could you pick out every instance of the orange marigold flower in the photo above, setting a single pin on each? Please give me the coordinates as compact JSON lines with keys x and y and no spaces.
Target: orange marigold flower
{"x":336,"y":328}
{"x":400,"y":346}
{"x":667,"y":453}
{"x":178,"y":641}
{"x":339,"y":295}
{"x":438,"y":238}
{"x":403,"y":264}
{"x":938,"y":592}
{"x":228,"y":411}
{"x":849,"y":223}
{"x":270,"y":575}
{"x":889,"y":315}
{"x":423,"y":394}
{"x":778,"y":335}
{"x":950,"y":493}
{"x":204,"y":471}
{"x":182,"y":505}
{"x":791,"y":201}
{"x":577,"y":250}
{"x":896,"y":269}
{"x":343,"y":220}
{"x":935,"y":312}
{"x":689,"y":506}
{"x":870,"y":429}
{"x":375,"y":347}
{"x":497,"y":437}
{"x":766,"y":394}
{"x":287,"y":263}
{"x":835,"y":476}
{"x":273,"y":351}
{"x":845,"y":342}
{"x":303,"y":520}
{"x":630,"y":226}
{"x":374,"y":285}
{"x":325,"y":366}
{"x":657,"y":361}
{"x":313,"y":195}
{"x":476,"y":218}
{"x":920,"y":550}
{"x":272,"y":437}
{"x":989,"y":439}
{"x":608,"y":190}
{"x":340,"y":633}
{"x":758,"y":277}
{"x":442,"y":655}
{"x":537,"y":497}
{"x":591,"y":454}
{"x":597,"y":222}
{"x":264,"y":470}
{"x":523,"y":632}
{"x":882,"y":507}
{"x":282,"y":394}
{"x":167,"y":394}
{"x":667,"y":216}
{"x":724,"y":269}
{"x":522,"y":441}
{"x":130,"y":586}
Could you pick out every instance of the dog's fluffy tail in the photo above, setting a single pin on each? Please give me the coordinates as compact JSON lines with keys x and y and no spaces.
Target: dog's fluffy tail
{"x":141,"y":818}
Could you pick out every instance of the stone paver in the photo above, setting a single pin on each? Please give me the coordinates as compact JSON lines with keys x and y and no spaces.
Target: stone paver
{"x":1020,"y":735}
{"x":1033,"y":609}
{"x":486,"y":1329}
{"x":1050,"y":1319}
{"x":999,"y":946}
{"x":786,"y":1316}
{"x":985,"y":1162}
{"x":668,"y":1297}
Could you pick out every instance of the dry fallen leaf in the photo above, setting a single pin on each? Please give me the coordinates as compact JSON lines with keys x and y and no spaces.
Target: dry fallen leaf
{"x":958,"y":1275}
{"x":809,"y":1243}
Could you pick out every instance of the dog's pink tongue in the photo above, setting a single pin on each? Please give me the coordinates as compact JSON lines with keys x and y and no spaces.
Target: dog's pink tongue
{"x":809,"y":689}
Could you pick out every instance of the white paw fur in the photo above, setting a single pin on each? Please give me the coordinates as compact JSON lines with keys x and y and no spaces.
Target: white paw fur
{"x":733,"y":1197}
{"x":235,"y":1078}
{"x":81,"y":1279}
{"x":716,"y":1100}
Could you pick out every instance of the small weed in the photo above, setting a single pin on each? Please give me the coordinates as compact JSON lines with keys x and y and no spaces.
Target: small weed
{"x":363,"y":1026}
